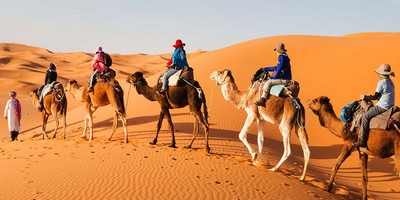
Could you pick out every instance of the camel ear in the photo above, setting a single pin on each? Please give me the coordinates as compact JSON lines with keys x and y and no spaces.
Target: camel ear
{"x":325,"y":100}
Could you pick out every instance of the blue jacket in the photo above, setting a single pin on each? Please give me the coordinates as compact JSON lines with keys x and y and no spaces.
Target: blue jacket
{"x":179,"y":58}
{"x":282,"y":68}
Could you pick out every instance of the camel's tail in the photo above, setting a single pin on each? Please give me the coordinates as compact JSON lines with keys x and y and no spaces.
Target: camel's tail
{"x":203,"y":101}
{"x":121,"y":101}
{"x":61,"y":98}
{"x":300,"y":122}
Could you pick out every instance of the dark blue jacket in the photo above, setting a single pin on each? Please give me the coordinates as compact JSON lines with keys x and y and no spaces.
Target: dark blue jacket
{"x":282,"y":68}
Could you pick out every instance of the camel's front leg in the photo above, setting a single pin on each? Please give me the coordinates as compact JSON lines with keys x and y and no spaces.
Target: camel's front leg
{"x":243,"y":135}
{"x":160,"y":119}
{"x":171,"y":125}
{"x":364,"y":165}
{"x":344,"y":154}
{"x":260,"y":141}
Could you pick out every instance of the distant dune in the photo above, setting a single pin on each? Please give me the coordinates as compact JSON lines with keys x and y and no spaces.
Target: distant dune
{"x":341,"y":68}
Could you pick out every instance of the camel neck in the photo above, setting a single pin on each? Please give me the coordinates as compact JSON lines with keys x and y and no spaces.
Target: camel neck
{"x":77,"y":93}
{"x":232,"y":94}
{"x":330,"y":121}
{"x":147,"y":91}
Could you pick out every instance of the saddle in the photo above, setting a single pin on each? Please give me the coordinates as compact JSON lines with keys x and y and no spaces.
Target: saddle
{"x":291,"y":89}
{"x":383,"y":121}
{"x":174,"y":80}
{"x":106,"y":76}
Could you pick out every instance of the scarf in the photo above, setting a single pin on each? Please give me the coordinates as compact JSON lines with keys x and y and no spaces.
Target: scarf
{"x":17,"y":107}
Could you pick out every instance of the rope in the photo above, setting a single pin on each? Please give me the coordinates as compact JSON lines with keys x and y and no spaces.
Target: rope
{"x":55,"y":96}
{"x":298,"y":118}
{"x":212,"y":95}
{"x":199,"y":91}
{"x":127,"y":98}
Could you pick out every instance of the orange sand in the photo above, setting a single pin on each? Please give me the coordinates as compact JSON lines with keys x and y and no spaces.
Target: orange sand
{"x":338,"y":67}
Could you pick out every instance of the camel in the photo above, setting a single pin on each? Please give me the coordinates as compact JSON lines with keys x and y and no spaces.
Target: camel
{"x":381,"y":143}
{"x":103,"y":95}
{"x":277,"y":110}
{"x":176,"y":97}
{"x":53,"y":104}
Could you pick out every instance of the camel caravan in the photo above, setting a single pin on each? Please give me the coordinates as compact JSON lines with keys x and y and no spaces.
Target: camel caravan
{"x":371,"y":130}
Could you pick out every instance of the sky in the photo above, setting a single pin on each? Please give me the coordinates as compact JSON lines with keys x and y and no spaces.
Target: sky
{"x":152,"y":26}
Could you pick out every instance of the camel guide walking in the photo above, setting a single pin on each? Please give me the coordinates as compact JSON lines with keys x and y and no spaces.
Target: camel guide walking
{"x":176,"y":63}
{"x":12,"y":112}
{"x":384,"y":93}
{"x":282,"y":73}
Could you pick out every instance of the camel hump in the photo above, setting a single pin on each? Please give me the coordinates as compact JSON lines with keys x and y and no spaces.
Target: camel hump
{"x":187,"y":73}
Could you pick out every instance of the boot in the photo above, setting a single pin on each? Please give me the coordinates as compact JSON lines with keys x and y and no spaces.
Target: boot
{"x":162,"y":91}
{"x":360,"y":143}
{"x":261,"y":102}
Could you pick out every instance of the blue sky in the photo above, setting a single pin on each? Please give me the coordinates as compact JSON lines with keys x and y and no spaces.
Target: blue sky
{"x":152,"y":26}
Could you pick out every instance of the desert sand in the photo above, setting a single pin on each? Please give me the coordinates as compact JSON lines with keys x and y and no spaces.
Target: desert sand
{"x":341,"y":68}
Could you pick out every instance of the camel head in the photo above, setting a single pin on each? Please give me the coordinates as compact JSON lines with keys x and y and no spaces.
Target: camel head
{"x":222,"y":77}
{"x":317,"y":104}
{"x":33,"y":93}
{"x":70,"y":84}
{"x":136,"y":79}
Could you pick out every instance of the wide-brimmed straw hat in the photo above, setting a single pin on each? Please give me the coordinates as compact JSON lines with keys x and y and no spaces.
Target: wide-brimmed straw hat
{"x":178,"y":43}
{"x":280,"y":48}
{"x":99,"y":49}
{"x":385,"y":69}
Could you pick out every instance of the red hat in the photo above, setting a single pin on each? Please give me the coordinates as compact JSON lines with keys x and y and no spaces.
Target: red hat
{"x":178,"y":43}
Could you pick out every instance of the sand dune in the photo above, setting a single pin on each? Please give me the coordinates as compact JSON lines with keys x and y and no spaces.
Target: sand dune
{"x":338,"y":67}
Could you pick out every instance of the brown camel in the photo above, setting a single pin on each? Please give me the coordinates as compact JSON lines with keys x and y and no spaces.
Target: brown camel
{"x":103,"y":95}
{"x":381,"y":143}
{"x":178,"y":97}
{"x":54,"y":104}
{"x":277,"y":110}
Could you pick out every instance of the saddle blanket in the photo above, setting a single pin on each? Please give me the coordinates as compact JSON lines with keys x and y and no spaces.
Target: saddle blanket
{"x":276,"y":89}
{"x":172,"y":80}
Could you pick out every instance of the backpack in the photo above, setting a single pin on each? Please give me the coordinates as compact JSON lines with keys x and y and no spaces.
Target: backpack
{"x":348,"y":111}
{"x":107,"y":59}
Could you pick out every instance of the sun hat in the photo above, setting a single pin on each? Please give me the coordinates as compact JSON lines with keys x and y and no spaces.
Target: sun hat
{"x":384,"y":69}
{"x":13,"y":94}
{"x":280,"y":48}
{"x":178,"y":43}
{"x":99,"y":49}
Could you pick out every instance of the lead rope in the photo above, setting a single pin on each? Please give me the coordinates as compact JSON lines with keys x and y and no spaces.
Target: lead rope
{"x":212,"y":96}
{"x":199,"y":91}
{"x":127,"y":98}
{"x":27,"y":113}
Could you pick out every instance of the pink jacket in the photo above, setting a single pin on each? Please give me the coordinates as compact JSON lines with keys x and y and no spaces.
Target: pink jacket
{"x":98,"y":63}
